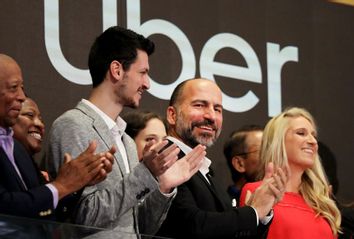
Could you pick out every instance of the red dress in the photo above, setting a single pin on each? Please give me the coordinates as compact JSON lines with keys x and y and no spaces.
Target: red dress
{"x":293,"y":218}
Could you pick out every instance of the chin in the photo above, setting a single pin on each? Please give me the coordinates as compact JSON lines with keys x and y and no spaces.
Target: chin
{"x":133,"y":105}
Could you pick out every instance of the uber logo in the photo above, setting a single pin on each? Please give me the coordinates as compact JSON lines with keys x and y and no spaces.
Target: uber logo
{"x":276,"y":57}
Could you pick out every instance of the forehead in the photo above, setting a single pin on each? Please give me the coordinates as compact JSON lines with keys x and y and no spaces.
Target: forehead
{"x":254,"y":137}
{"x":29,"y":104}
{"x":10,"y":72}
{"x":203,"y":90}
{"x":300,"y":122}
{"x":141,"y":61}
{"x":154,"y":124}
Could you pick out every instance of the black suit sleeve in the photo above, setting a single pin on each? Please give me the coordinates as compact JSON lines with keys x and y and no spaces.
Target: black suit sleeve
{"x":15,"y":199}
{"x":36,"y":202}
{"x":199,"y":216}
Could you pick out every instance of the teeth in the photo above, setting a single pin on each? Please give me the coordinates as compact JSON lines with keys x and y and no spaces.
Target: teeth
{"x":308,"y":151}
{"x":36,"y":136}
{"x":207,"y":128}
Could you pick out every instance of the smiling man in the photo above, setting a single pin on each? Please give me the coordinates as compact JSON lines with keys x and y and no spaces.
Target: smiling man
{"x":21,"y":191}
{"x":136,"y":196}
{"x":202,"y":209}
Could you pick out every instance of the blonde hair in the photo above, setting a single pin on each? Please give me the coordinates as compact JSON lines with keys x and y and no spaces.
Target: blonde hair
{"x":314,"y":185}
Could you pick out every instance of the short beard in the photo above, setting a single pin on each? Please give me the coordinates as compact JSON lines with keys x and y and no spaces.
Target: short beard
{"x":131,"y":104}
{"x":186,"y":133}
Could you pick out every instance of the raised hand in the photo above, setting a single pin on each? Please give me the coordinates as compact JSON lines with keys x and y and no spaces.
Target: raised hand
{"x":107,"y":159}
{"x":182,"y":170}
{"x":157,"y":159}
{"x":85,"y":169}
{"x":270,"y":191}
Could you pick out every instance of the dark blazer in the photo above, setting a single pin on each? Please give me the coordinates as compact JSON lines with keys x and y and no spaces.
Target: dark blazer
{"x":37,"y":201}
{"x":201,"y":210}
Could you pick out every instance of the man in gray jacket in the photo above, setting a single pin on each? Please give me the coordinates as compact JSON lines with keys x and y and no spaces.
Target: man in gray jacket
{"x":135,"y":197}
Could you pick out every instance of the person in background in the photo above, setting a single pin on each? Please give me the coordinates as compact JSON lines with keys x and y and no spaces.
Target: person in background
{"x":21,"y":191}
{"x":306,"y":210}
{"x":146,"y":128}
{"x":29,"y":129}
{"x":201,"y":208}
{"x":241,"y":151}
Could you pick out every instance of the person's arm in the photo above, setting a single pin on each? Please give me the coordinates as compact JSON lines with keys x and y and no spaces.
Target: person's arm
{"x":186,"y":219}
{"x":176,"y":173}
{"x":104,"y":204}
{"x":36,"y":202}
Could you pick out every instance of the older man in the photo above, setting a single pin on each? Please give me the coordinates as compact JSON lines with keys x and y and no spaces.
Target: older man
{"x":21,"y":192}
{"x":241,"y":151}
{"x":201,"y":209}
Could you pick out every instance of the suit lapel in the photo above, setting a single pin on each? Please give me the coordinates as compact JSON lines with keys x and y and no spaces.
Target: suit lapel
{"x":104,"y":133}
{"x":26,"y":167}
{"x":215,"y":190}
{"x":130,"y":147}
{"x":10,"y":168}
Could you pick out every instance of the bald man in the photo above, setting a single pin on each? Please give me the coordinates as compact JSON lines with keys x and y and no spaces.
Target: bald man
{"x":201,"y":208}
{"x":21,"y":190}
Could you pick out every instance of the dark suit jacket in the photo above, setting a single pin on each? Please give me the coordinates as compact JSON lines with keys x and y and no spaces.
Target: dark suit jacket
{"x":37,"y":201}
{"x":202,"y":211}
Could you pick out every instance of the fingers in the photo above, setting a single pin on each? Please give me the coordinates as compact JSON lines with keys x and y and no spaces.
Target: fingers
{"x":160,"y":149}
{"x":91,"y":148}
{"x":248,"y":197}
{"x":269,"y":170}
{"x":67,"y":158}
{"x":169,"y":161}
{"x":282,"y":177}
{"x":165,"y":161}
{"x":276,"y":192}
{"x":112,"y":150}
{"x":195,"y":158}
{"x":100,"y":176}
{"x":160,"y":157}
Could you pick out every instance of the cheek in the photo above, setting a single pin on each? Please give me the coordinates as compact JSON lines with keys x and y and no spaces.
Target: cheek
{"x":140,"y":144}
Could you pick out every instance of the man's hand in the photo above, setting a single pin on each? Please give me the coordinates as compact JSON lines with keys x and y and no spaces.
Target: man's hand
{"x":182,"y":170}
{"x":107,"y":159}
{"x":158,"y":161}
{"x":270,"y":192}
{"x":86,"y":169}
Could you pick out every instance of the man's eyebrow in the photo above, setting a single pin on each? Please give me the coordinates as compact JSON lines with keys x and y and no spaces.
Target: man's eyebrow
{"x":200,"y":101}
{"x":218,"y":105}
{"x":206,"y":102}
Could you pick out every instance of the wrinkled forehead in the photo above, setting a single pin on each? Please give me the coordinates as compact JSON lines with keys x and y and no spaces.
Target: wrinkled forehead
{"x":9,"y":70}
{"x":203,"y":90}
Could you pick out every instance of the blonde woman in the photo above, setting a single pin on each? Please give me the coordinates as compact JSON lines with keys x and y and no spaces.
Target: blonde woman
{"x":306,"y":210}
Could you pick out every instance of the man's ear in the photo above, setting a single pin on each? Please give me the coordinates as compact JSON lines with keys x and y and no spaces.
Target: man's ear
{"x":171,"y":115}
{"x":239,"y":164}
{"x":116,"y":70}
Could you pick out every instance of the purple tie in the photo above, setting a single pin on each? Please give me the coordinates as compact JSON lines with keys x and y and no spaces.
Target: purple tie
{"x":7,"y":144}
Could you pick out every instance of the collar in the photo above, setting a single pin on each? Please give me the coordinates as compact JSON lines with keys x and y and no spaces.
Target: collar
{"x":6,"y":131}
{"x":204,"y":169}
{"x":120,"y":125}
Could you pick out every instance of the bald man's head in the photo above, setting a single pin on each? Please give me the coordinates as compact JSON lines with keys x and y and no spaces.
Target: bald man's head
{"x":11,"y":91}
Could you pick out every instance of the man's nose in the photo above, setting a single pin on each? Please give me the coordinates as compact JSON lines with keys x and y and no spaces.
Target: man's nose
{"x":39,"y":123}
{"x":21,"y":95}
{"x":210,"y":114}
{"x":146,"y":82}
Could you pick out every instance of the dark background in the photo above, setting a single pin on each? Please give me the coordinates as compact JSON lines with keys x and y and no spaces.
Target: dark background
{"x":321,"y":80}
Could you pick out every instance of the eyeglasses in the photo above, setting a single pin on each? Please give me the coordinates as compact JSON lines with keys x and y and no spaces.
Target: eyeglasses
{"x":246,"y":153}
